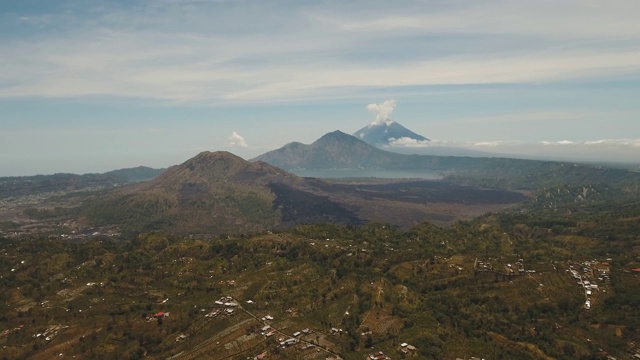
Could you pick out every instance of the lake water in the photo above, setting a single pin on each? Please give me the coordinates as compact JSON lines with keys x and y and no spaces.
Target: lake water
{"x":366,"y":173}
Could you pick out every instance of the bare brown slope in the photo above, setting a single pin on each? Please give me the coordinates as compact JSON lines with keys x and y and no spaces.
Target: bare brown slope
{"x":216,"y":193}
{"x":220,"y":167}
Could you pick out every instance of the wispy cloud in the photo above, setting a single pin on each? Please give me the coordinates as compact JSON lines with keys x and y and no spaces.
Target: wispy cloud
{"x":592,"y":143}
{"x":224,"y":52}
{"x":408,"y":142}
{"x":236,"y":139}
{"x":561,"y":142}
{"x":616,"y":150}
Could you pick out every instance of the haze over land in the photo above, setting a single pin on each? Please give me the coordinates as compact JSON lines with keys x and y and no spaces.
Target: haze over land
{"x":92,"y":89}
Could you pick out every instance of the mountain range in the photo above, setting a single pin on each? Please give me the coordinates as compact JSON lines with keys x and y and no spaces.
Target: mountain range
{"x":218,"y":192}
{"x":38,"y":184}
{"x":337,"y":150}
{"x":222,"y":193}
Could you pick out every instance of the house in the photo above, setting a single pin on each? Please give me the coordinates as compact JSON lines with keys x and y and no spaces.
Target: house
{"x":406,"y":348}
{"x":378,"y":356}
{"x":289,"y":342}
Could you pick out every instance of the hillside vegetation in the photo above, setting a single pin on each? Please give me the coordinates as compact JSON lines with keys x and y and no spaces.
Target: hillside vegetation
{"x":235,"y":260}
{"x":449,"y":292}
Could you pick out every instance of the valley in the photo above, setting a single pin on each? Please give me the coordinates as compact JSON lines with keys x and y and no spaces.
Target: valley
{"x":221,"y":258}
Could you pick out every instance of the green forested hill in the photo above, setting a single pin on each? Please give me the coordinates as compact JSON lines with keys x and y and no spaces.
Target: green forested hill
{"x":451,"y":292}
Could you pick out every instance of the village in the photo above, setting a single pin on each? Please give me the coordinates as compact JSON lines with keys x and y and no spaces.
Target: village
{"x":253,"y":300}
{"x":590,"y":274}
{"x":592,"y":271}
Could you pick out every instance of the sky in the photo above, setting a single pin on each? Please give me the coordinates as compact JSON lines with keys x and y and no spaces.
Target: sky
{"x":92,"y":86}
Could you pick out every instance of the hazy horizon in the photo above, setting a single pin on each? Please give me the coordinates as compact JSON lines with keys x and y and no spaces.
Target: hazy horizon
{"x":88,"y":88}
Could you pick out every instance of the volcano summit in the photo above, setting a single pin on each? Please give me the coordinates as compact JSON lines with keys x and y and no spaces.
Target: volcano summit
{"x":388,"y":133}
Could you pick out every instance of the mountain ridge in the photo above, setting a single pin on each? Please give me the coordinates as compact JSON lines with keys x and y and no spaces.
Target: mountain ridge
{"x":216,"y":192}
{"x":493,"y":172}
{"x":333,"y":150}
{"x":65,"y":182}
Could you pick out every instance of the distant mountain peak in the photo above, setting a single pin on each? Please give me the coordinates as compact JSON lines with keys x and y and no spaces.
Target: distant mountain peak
{"x":333,"y":150}
{"x":215,"y":155}
{"x":220,"y":166}
{"x":334,"y":136}
{"x":382,"y":134}
{"x":207,"y":158}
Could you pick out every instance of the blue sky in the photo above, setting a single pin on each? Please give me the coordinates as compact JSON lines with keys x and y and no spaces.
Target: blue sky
{"x":91,"y":86}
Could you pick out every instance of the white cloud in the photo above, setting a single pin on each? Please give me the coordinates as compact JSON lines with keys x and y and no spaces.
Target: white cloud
{"x":558,"y":19}
{"x":561,"y":142}
{"x":617,"y":150}
{"x":605,"y":150}
{"x":236,"y":139}
{"x":220,"y":52}
{"x":408,"y":142}
{"x":614,"y":142}
{"x":383,"y":112}
{"x":488,"y":143}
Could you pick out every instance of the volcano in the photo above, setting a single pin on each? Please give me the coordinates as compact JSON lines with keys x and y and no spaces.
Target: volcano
{"x":387,"y":133}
